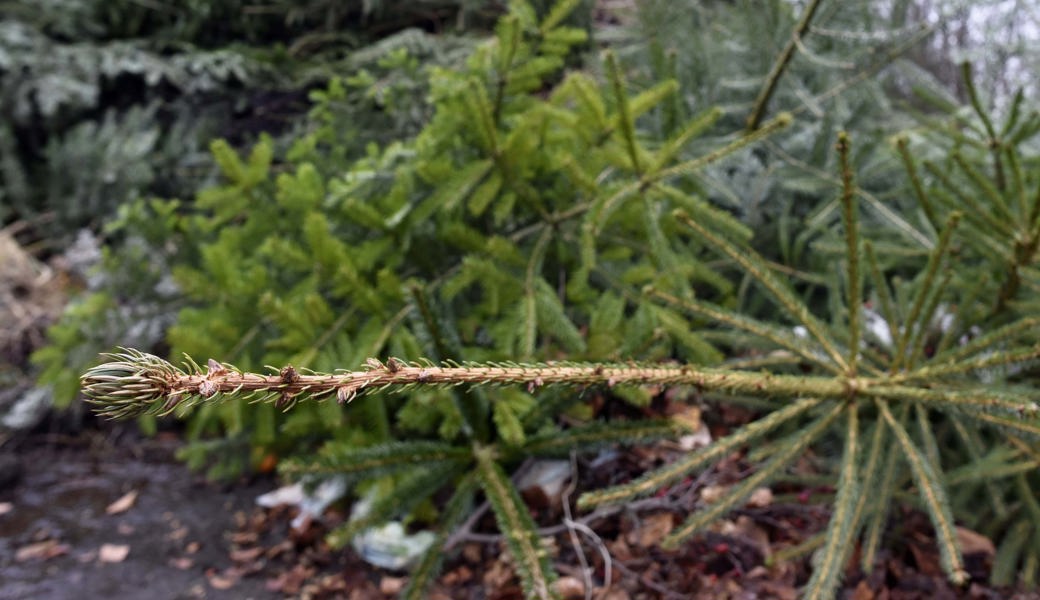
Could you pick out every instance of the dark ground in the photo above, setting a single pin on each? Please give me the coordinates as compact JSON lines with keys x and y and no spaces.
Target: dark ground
{"x":176,"y":530}
{"x":188,"y":538}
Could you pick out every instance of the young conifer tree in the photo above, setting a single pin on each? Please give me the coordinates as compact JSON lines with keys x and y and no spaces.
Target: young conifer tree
{"x":622,"y":223}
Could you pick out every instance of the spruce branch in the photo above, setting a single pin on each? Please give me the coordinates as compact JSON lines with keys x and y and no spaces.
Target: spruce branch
{"x":757,"y":268}
{"x":903,"y":146}
{"x":782,"y":60}
{"x":914,"y":320}
{"x":850,"y":217}
{"x":829,"y":562}
{"x":135,"y":383}
{"x":674,"y":471}
{"x":783,"y":338}
{"x":931,"y":490}
{"x":515,"y":522}
{"x":772,"y":469}
{"x":993,"y":141}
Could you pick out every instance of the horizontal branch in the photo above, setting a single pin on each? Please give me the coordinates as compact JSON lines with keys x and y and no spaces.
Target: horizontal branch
{"x":135,"y":383}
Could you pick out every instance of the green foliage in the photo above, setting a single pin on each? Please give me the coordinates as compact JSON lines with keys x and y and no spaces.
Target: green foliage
{"x":104,"y":102}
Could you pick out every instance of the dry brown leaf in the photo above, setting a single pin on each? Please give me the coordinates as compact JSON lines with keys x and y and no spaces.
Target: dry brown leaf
{"x":45,"y":550}
{"x":652,"y":529}
{"x":747,"y":530}
{"x":616,"y":593}
{"x":87,"y":557}
{"x":462,"y":574}
{"x":473,"y":553}
{"x":221,"y":581}
{"x":689,"y":417}
{"x":711,"y":493}
{"x":499,"y":574}
{"x":246,"y":554}
{"x":761,"y":497}
{"x":863,"y":591}
{"x":244,"y":538}
{"x":113,"y":553}
{"x":569,"y":588}
{"x":391,"y":586}
{"x":972,"y":542}
{"x":183,"y":563}
{"x":123,"y":504}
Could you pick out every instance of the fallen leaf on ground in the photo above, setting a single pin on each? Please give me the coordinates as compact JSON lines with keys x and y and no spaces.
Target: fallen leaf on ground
{"x":290,"y":581}
{"x":652,"y":529}
{"x":863,"y":591}
{"x":123,"y":504}
{"x":5,"y":507}
{"x":113,"y":553}
{"x":44,"y":550}
{"x":972,"y":542}
{"x":457,"y":576}
{"x":391,"y":586}
{"x":747,"y":530}
{"x":712,"y":493}
{"x":761,"y":497}
{"x":689,"y":417}
{"x":246,"y":554}
{"x":183,"y":563}
{"x":221,"y":581}
{"x":569,"y":588}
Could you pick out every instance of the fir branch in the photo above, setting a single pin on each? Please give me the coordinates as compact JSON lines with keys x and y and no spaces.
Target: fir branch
{"x":515,"y":522}
{"x":976,"y":211}
{"x":754,"y":266}
{"x":628,"y":130}
{"x":976,"y":363}
{"x":932,"y":492}
{"x":871,"y":470}
{"x":935,"y":296}
{"x":770,"y":470}
{"x":782,"y":60}
{"x":830,"y":561}
{"x":597,"y":435}
{"x":996,"y":199}
{"x":455,"y":510}
{"x":675,"y":471}
{"x":973,"y":446}
{"x":880,"y":505}
{"x":884,"y":293}
{"x":670,"y":149}
{"x":850,"y":218}
{"x":559,"y":11}
{"x":1017,"y":426}
{"x":692,"y":166}
{"x":993,"y":142}
{"x":408,"y":492}
{"x":767,"y":331}
{"x":902,"y":145}
{"x":135,"y":383}
{"x":913,"y":319}
{"x":1005,"y":563}
{"x":381,"y":459}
